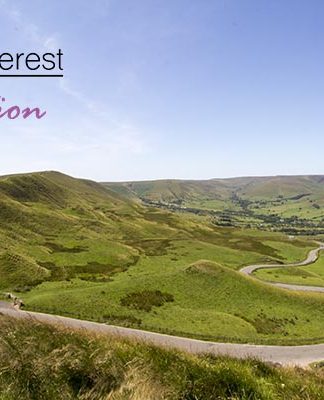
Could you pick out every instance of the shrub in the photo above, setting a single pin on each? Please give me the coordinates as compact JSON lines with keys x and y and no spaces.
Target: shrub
{"x":146,"y":299}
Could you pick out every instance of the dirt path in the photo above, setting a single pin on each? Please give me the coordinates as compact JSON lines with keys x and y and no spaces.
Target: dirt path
{"x":311,"y":258}
{"x":285,"y":355}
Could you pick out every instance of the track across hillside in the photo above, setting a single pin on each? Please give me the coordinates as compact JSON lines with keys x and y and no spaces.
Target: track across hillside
{"x":311,"y":258}
{"x":285,"y":355}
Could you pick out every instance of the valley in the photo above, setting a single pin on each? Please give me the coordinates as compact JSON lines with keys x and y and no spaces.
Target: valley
{"x":76,"y":248}
{"x":293,"y":205}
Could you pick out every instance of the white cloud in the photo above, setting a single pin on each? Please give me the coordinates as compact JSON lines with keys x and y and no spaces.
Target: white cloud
{"x":29,"y":30}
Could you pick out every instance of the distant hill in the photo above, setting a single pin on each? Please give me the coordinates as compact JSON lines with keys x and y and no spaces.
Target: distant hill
{"x":258,"y":200}
{"x":249,"y":187}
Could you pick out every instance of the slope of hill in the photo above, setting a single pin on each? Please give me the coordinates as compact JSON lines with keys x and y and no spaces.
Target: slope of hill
{"x":294,"y":204}
{"x":43,"y":214}
{"x":200,"y":299}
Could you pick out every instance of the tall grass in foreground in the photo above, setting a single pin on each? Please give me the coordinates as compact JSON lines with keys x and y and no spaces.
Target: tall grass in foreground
{"x":41,"y":362}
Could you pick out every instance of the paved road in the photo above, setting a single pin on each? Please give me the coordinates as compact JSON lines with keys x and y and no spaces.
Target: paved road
{"x":311,"y":258}
{"x":285,"y":355}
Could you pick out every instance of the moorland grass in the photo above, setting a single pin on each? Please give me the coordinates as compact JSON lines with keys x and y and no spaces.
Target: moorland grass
{"x":209,"y":301}
{"x":39,"y":362}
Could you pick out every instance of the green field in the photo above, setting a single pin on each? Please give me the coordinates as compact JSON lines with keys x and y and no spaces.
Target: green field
{"x":73,"y":247}
{"x":312,"y":275}
{"x":209,"y":301}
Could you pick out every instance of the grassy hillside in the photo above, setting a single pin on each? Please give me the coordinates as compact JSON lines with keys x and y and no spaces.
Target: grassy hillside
{"x":201,"y":299}
{"x":74,"y":247}
{"x":293,"y":204}
{"x":38,"y":362}
{"x":49,"y":217}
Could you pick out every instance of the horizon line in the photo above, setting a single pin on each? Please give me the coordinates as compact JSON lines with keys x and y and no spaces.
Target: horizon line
{"x":207,"y":179}
{"x":77,"y":176}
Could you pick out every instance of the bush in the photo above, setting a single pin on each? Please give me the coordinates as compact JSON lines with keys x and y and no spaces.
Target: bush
{"x":146,"y":299}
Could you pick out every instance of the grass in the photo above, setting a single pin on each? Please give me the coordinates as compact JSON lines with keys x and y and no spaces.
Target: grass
{"x":312,"y":275}
{"x":20,"y":271}
{"x":209,"y":301}
{"x":39,"y":362}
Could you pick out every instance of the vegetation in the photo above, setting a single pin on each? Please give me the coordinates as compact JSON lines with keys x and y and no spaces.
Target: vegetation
{"x":39,"y":362}
{"x":146,"y":299}
{"x":209,"y":301}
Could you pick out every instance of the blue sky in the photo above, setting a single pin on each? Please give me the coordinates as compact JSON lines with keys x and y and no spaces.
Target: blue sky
{"x":168,"y":89}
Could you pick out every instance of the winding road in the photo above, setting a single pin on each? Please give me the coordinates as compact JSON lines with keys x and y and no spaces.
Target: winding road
{"x":285,"y":355}
{"x":311,"y":258}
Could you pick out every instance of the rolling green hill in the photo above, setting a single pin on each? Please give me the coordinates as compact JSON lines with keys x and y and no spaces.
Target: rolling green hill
{"x":294,"y":204}
{"x":74,"y":247}
{"x":200,"y":299}
{"x":249,"y":187}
